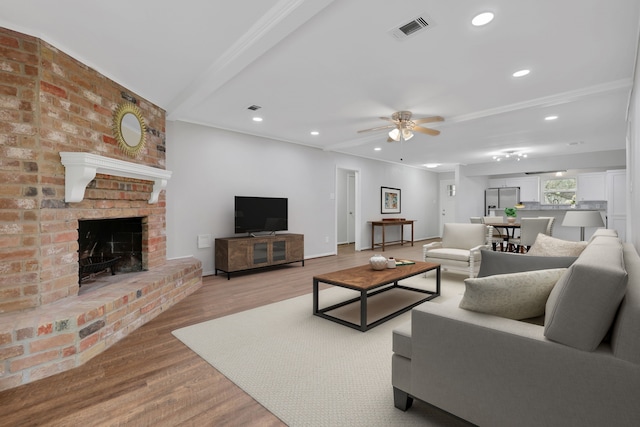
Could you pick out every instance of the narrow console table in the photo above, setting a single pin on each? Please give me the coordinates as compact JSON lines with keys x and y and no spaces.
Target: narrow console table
{"x":233,"y":254}
{"x":386,"y":223}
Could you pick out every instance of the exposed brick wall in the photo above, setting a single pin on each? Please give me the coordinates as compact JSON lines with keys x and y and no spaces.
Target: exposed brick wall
{"x":52,"y":103}
{"x":19,"y":180}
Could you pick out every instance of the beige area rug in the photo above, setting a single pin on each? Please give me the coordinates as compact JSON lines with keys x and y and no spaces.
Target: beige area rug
{"x":310,"y":371}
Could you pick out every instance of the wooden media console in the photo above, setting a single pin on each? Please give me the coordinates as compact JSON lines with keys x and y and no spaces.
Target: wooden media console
{"x":234,"y":254}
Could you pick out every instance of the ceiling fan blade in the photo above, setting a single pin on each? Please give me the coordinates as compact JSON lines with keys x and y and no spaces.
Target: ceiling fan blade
{"x":389,"y":139}
{"x":387,"y":118}
{"x":429,"y":120}
{"x":428,"y":131}
{"x":378,"y":128}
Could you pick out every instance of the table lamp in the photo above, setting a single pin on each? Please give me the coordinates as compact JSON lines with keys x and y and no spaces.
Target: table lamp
{"x":582,"y":219}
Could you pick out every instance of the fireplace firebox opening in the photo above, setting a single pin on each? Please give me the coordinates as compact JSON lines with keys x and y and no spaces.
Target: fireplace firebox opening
{"x":109,"y":246}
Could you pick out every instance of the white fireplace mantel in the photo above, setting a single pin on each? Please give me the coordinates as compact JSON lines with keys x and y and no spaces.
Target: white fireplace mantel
{"x":81,"y":168}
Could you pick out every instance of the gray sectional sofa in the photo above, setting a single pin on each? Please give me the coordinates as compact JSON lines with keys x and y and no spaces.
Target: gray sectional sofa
{"x":581,"y":367}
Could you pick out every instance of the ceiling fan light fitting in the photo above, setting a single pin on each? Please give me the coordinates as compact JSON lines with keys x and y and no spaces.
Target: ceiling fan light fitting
{"x":407,"y":134}
{"x":404,"y":127}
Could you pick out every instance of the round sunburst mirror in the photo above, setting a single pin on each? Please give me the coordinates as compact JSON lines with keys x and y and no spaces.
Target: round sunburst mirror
{"x":129,"y":128}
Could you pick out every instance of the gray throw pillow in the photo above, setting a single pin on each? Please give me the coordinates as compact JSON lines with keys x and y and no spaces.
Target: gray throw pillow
{"x":504,"y":262}
{"x":514,"y":296}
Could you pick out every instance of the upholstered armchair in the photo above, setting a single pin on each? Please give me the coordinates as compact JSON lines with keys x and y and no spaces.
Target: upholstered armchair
{"x":459,"y":250}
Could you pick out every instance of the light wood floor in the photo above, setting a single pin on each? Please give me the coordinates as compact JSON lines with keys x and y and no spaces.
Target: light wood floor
{"x":151,"y":378}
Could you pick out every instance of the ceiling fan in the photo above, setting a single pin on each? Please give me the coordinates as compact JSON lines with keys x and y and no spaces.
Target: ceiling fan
{"x":403,"y":127}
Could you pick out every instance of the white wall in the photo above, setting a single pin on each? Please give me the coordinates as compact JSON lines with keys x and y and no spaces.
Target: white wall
{"x":211,"y":166}
{"x":469,"y":195}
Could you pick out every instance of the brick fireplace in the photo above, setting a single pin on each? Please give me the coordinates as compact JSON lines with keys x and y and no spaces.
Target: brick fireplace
{"x":51,"y":104}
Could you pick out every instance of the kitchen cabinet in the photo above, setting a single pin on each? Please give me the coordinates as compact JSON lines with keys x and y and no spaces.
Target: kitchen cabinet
{"x":592,"y":186}
{"x":497,"y":182}
{"x":529,"y":187}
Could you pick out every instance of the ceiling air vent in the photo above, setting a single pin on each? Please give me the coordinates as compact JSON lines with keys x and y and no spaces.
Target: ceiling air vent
{"x":410,"y":28}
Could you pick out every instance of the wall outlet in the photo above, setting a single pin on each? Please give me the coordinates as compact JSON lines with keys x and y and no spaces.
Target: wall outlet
{"x":204,"y":241}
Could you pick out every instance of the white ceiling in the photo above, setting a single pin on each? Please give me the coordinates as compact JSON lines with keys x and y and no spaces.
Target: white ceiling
{"x":332,"y":66}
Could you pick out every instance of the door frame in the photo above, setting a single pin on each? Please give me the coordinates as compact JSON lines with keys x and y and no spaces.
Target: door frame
{"x":441,"y":185}
{"x":357,"y":203}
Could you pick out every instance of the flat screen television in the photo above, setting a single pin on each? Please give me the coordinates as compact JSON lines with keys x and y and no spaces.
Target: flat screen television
{"x":259,"y":214}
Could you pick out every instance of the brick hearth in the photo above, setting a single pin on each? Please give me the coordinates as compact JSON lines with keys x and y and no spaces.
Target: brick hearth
{"x":51,"y":103}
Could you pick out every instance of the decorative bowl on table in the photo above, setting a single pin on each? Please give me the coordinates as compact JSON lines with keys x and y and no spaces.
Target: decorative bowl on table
{"x":378,"y":262}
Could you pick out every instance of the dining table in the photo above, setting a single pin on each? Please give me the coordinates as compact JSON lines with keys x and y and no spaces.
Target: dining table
{"x":509,"y":233}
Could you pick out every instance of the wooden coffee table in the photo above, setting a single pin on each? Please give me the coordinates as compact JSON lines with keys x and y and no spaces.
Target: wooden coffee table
{"x":370,"y":282}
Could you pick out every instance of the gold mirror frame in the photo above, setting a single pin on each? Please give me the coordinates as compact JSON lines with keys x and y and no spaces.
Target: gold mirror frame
{"x":118,"y":115}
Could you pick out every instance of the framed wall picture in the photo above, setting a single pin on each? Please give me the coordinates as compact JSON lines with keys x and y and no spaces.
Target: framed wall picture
{"x":389,"y":200}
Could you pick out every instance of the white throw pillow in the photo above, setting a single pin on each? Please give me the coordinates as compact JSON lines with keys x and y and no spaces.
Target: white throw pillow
{"x":550,"y":246}
{"x":514,"y":296}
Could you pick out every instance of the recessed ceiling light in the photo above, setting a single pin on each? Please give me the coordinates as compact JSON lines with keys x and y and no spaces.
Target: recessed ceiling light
{"x":576,"y":143}
{"x":521,"y":73}
{"x":257,"y":119}
{"x":482,"y":19}
{"x":551,"y":118}
{"x":377,"y":149}
{"x":315,"y":133}
{"x":432,"y":165}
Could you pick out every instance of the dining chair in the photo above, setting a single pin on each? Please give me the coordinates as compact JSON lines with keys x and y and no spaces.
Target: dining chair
{"x":497,"y":239}
{"x":475,"y":220}
{"x":529,"y":230}
{"x":549,"y":225}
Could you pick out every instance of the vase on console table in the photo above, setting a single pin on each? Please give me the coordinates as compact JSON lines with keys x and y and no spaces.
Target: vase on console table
{"x":378,"y":262}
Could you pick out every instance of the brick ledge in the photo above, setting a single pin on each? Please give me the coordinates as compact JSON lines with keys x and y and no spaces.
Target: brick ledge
{"x":53,"y":338}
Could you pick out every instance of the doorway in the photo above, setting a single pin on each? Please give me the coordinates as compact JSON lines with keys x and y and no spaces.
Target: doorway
{"x":347,"y":211}
{"x":447,"y":202}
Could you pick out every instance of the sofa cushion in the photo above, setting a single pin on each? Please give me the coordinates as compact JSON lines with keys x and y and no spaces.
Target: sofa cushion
{"x":604,"y":232}
{"x":515,"y":295}
{"x":452,"y":254}
{"x":506,"y":262}
{"x":550,"y":246}
{"x":583,"y":304}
